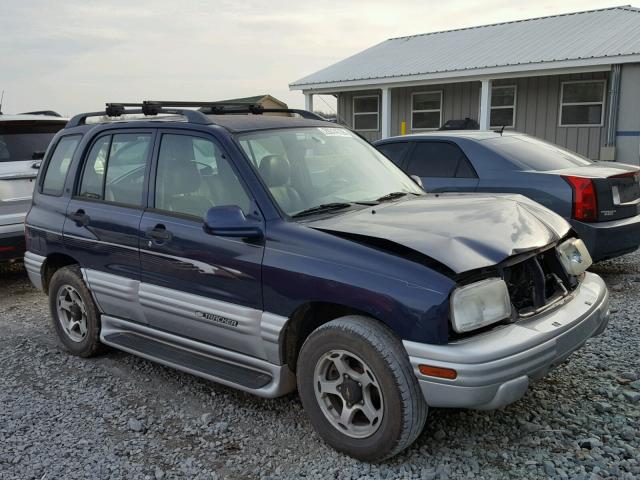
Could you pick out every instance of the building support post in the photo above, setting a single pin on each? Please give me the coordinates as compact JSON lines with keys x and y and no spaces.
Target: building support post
{"x":485,"y":104}
{"x":385,"y":114}
{"x":308,"y":101}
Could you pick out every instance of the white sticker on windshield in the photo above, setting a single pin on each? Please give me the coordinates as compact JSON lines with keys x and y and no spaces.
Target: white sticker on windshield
{"x":335,"y":132}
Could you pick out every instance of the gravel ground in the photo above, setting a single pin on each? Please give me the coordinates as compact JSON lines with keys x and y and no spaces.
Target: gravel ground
{"x":119,"y":416}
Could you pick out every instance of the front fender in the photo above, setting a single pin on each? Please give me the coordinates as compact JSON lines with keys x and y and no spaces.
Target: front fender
{"x":302,"y":265}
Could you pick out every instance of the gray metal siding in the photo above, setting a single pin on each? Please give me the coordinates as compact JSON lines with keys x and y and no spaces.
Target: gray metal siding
{"x":345,"y":111}
{"x":538,"y":110}
{"x":628,"y":128}
{"x":459,"y":100}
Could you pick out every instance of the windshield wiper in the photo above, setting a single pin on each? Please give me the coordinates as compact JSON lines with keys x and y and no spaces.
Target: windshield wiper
{"x":325,"y":207}
{"x":392,"y":196}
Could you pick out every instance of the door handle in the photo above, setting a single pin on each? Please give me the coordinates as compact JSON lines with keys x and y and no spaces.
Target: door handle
{"x":159,"y":233}
{"x":81,"y":218}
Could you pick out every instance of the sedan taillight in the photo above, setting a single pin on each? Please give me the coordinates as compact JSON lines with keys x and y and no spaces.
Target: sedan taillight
{"x":585,"y":206}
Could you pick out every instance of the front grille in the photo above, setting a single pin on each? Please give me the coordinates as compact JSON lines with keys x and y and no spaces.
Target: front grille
{"x":537,"y":282}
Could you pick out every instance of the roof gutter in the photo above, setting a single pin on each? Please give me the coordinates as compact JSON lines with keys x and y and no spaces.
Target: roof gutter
{"x":509,"y":71}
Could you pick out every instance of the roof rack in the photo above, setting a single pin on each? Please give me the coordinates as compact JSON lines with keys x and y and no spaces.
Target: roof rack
{"x":155,"y":107}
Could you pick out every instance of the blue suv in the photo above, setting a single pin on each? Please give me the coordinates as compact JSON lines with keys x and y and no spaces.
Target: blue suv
{"x":275,"y":252}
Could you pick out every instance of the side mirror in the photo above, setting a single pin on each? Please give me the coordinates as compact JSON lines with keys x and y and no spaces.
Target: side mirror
{"x":418,"y":180}
{"x":230,"y":221}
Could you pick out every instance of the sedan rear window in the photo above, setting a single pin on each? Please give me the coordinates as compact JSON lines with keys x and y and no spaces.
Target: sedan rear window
{"x":20,"y":141}
{"x":529,"y":153}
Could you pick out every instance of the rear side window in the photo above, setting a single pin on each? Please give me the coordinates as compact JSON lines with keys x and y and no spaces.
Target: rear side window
{"x":439,"y":159}
{"x":394,"y":151}
{"x":58,"y":166}
{"x":115,"y":169}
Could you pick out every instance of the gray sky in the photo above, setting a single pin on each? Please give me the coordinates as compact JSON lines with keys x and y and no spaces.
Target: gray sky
{"x":75,"y":55}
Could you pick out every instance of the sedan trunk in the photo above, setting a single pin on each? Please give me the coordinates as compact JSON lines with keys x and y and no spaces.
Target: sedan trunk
{"x":604,"y":191}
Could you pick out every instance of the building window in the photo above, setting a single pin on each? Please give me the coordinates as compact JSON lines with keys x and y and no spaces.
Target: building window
{"x":503,"y":106}
{"x":582,"y":103}
{"x":426,"y":110}
{"x":365,"y":113}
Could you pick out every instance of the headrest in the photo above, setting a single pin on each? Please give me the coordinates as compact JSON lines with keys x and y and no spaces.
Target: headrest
{"x":275,"y":170}
{"x":180,"y":172}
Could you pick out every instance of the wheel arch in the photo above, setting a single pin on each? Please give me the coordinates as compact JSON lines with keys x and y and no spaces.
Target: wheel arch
{"x":53,"y":263}
{"x":307,"y":318}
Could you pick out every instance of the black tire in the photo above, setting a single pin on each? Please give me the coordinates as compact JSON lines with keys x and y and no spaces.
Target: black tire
{"x":404,"y":409}
{"x":90,"y":345}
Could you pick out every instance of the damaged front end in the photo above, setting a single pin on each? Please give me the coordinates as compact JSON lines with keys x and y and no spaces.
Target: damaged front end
{"x":536,"y":281}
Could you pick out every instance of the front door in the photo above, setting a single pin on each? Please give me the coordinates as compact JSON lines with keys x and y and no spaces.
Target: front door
{"x":194,"y":284}
{"x":103,"y":217}
{"x":442,"y":167}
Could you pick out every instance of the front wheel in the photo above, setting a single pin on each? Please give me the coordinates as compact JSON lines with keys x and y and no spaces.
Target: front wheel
{"x":358,"y":388}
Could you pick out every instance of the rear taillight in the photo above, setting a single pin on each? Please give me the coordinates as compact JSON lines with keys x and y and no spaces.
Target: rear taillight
{"x":585,"y":207}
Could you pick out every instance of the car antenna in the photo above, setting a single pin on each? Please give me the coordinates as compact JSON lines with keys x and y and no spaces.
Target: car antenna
{"x":501,"y":130}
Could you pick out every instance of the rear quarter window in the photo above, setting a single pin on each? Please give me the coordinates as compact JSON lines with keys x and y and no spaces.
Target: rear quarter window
{"x":58,"y":166}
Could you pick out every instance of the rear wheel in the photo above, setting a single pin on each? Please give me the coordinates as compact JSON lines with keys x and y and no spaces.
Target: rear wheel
{"x":74,"y":314}
{"x":357,"y":386}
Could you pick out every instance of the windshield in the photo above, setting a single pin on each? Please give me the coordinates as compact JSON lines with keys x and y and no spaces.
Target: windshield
{"x":21,"y":142}
{"x":309,"y":167}
{"x":533,"y":154}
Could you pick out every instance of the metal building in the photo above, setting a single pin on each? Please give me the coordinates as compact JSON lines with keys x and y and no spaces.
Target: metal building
{"x":572,"y":79}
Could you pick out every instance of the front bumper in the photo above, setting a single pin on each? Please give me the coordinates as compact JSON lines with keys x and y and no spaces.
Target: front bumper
{"x":609,"y":239}
{"x":495,"y":368}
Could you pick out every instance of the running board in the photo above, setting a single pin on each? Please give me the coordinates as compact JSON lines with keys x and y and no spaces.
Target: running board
{"x":213,"y":363}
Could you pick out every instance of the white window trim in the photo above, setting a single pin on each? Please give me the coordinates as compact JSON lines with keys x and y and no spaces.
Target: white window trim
{"x":377,"y":113}
{"x":502,"y":107}
{"x":426,"y":111}
{"x":601,"y":103}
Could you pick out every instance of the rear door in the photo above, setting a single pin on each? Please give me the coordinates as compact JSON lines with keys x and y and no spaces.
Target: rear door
{"x":22,"y":146}
{"x":103,"y":217}
{"x":195,"y":284}
{"x":442,"y":167}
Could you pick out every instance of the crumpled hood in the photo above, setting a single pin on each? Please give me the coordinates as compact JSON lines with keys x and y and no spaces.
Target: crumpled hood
{"x":462,"y":231}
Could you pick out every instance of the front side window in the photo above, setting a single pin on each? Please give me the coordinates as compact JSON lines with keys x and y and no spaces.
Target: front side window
{"x":426,"y":110}
{"x":115,"y":169}
{"x":503,"y":106}
{"x":307,"y":167}
{"x":438,"y":159}
{"x":582,"y":103}
{"x":365,"y":113}
{"x":58,"y":166}
{"x":194,"y":175}
{"x":394,"y":151}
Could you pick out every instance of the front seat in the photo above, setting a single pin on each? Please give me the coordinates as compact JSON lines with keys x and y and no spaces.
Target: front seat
{"x":276,"y":173}
{"x":182,"y":181}
{"x":184,"y":191}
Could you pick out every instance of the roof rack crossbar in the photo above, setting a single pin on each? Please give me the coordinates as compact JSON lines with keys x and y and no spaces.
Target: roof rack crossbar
{"x":148,"y":108}
{"x":156,"y":107}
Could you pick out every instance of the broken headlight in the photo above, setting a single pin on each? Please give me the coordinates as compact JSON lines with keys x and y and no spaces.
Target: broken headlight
{"x":479,"y":304}
{"x":574,"y":256}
